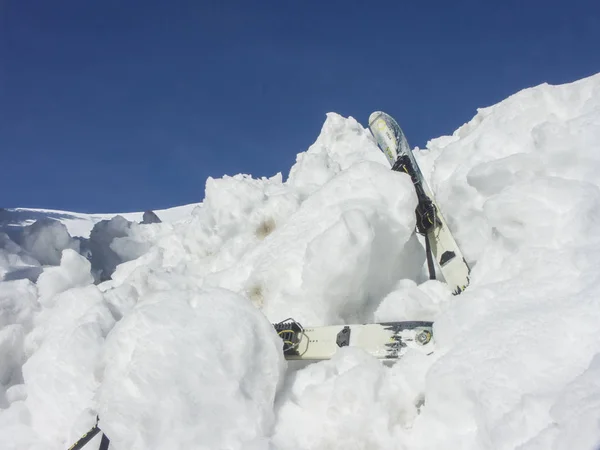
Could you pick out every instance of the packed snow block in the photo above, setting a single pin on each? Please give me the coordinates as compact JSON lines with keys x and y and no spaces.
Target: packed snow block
{"x":425,"y":301}
{"x":569,"y":149}
{"x":273,"y":213}
{"x":575,"y":416}
{"x":497,"y":380}
{"x":351,"y":291}
{"x":341,"y":286}
{"x":45,"y":240}
{"x":492,"y":177}
{"x":339,"y":254}
{"x":16,"y":393}
{"x":16,"y":263}
{"x":351,"y":401}
{"x":103,"y":258}
{"x":15,"y":430}
{"x":150,"y":217}
{"x":190,"y":369}
{"x":12,"y":357}
{"x":311,"y":171}
{"x":231,"y":199}
{"x":74,"y":271}
{"x":545,"y":212}
{"x":18,"y":303}
{"x":128,"y":248}
{"x":238,"y":204}
{"x":60,"y":376}
{"x":6,"y":243}
{"x":121,"y":299}
{"x":341,"y":143}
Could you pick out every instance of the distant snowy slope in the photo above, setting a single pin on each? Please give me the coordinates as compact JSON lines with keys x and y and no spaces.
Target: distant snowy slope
{"x":80,"y":224}
{"x":164,"y":329}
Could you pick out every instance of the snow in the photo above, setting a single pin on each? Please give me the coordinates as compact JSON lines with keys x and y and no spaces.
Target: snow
{"x":74,"y":271}
{"x":163,"y":329}
{"x":79,"y":224}
{"x":225,"y":400}
{"x":45,"y":241}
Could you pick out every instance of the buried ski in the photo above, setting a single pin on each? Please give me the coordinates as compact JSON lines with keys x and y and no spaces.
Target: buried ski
{"x":389,"y":340}
{"x":430,"y":221}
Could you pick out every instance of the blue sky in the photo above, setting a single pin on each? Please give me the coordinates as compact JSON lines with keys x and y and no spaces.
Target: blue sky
{"x":116,"y":106}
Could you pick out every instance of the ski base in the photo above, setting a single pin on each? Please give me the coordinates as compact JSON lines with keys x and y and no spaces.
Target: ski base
{"x":387,"y":340}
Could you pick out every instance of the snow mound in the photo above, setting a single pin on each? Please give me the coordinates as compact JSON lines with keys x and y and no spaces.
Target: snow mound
{"x":16,"y":263}
{"x":163,"y":329}
{"x":518,"y":185}
{"x":187,"y":368}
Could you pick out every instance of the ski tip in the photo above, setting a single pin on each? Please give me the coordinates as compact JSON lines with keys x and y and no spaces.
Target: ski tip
{"x":374,"y":116}
{"x":380,"y":120}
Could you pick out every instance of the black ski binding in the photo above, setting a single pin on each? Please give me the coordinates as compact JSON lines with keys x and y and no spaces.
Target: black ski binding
{"x":291,"y":333}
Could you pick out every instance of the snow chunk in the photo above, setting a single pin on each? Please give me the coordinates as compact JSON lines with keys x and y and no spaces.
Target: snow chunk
{"x":235,"y":204}
{"x":18,"y":302}
{"x":17,"y":307}
{"x":352,"y":401}
{"x":186,"y":368}
{"x":16,"y":263}
{"x":342,"y":143}
{"x":60,"y":375}
{"x":74,"y":270}
{"x":338,"y":255}
{"x":104,"y":259}
{"x":409,"y":301}
{"x":45,"y":240}
{"x":547,"y":211}
{"x":576,"y":413}
{"x":12,"y":357}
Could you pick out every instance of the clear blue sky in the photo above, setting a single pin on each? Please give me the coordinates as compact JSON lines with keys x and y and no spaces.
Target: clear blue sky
{"x":115,"y":106}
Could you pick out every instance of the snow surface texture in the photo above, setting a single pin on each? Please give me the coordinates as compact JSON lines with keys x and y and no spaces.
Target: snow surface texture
{"x":164,"y":329}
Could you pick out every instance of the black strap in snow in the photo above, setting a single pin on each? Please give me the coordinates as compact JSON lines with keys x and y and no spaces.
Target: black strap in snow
{"x":104,"y":443}
{"x":429,"y":255}
{"x":87,"y":437}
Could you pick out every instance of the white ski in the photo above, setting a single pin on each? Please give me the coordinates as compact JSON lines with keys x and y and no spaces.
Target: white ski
{"x":389,"y":340}
{"x":393,"y":143}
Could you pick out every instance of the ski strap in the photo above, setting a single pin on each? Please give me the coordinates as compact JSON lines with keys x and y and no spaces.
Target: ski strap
{"x":104,"y":443}
{"x":429,"y":255}
{"x":87,"y":437}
